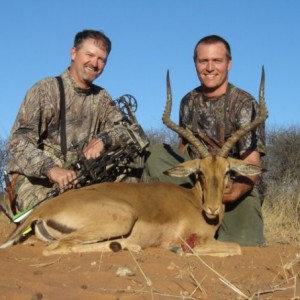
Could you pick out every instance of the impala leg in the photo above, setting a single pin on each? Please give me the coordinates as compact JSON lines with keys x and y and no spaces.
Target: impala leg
{"x":106,"y":246}
{"x":92,"y":234}
{"x":217,"y":248}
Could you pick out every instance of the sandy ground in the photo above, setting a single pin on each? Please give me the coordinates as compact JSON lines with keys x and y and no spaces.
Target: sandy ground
{"x":270,"y":272}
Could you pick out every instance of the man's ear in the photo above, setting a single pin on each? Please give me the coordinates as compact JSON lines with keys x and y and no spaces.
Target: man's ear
{"x":229,"y":64}
{"x":73,"y":53}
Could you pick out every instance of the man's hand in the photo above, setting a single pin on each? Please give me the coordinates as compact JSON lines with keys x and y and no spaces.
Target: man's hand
{"x":93,"y":149}
{"x":242,"y":184}
{"x":63,"y":178}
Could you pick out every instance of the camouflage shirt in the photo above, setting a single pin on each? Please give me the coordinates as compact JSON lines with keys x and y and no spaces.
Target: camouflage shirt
{"x":219,"y":117}
{"x":34,"y":142}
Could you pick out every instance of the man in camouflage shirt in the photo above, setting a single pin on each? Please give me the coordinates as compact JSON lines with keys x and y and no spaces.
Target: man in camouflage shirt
{"x":213,"y":111}
{"x":92,"y":121}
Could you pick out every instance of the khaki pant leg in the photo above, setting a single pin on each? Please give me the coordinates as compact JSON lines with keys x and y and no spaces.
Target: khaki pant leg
{"x":163,"y":157}
{"x":243,"y":222}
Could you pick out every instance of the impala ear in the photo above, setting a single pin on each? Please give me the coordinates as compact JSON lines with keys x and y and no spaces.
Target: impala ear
{"x":244,"y":168}
{"x":180,"y":171}
{"x":247,"y":170}
{"x":184,"y":169}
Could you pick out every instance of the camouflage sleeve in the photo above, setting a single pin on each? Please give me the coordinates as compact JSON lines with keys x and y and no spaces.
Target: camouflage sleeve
{"x":31,"y":122}
{"x":254,"y":140}
{"x":185,"y":117}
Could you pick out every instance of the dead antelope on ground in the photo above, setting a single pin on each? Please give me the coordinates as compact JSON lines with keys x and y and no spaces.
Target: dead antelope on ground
{"x":116,"y":216}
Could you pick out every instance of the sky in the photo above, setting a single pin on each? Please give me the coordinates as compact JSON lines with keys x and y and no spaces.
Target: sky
{"x":148,"y":38}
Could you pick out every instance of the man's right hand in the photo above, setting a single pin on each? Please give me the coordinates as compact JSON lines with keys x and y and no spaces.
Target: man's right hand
{"x":63,"y":178}
{"x":93,"y":149}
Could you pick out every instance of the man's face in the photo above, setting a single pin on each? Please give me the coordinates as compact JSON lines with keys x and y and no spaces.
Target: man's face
{"x":88,"y":62}
{"x":212,"y":66}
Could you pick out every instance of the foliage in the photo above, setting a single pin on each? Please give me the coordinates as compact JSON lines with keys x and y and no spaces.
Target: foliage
{"x":4,"y":156}
{"x":163,"y":135}
{"x":283,"y":155}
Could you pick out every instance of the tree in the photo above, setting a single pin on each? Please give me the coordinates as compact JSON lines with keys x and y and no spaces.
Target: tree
{"x":283,"y":156}
{"x":163,"y":135}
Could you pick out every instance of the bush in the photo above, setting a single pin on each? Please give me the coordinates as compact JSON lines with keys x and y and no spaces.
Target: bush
{"x":163,"y":135}
{"x":281,"y":208}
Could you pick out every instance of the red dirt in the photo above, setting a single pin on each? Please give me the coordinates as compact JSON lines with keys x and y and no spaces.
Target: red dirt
{"x":272,"y":272}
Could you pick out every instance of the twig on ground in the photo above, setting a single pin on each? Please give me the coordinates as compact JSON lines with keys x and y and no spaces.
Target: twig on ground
{"x":148,"y":281}
{"x":197,"y":284}
{"x":100,"y":261}
{"x":42,"y":265}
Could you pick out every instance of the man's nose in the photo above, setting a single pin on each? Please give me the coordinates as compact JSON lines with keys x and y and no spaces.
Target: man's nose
{"x":94,"y":62}
{"x":210,"y":66}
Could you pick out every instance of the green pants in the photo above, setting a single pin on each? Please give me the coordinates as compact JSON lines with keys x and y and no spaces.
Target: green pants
{"x":30,"y":191}
{"x":242,"y":222}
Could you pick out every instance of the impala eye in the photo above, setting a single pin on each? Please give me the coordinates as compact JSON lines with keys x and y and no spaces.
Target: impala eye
{"x":200,"y":175}
{"x":231,"y":174}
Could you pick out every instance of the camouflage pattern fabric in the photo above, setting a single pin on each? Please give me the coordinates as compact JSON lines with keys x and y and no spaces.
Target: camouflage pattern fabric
{"x":34,"y":143}
{"x":207,"y":115}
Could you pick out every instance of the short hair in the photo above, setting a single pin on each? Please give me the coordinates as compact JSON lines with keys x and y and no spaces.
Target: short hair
{"x":81,"y":36}
{"x":212,"y":39}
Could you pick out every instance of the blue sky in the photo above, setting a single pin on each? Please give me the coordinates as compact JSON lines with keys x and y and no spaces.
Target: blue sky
{"x":149,"y":37}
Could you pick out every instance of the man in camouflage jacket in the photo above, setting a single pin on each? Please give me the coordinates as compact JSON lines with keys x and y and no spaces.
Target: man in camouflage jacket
{"x":92,"y":121}
{"x":213,"y":111}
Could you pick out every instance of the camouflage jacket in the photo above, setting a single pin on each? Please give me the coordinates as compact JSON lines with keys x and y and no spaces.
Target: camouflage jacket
{"x":34,"y":142}
{"x":218,"y":118}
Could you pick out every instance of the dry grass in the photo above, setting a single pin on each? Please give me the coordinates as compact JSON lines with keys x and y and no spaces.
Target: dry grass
{"x":281,"y":211}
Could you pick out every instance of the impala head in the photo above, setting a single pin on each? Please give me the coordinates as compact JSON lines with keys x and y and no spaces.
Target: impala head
{"x":213,"y":170}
